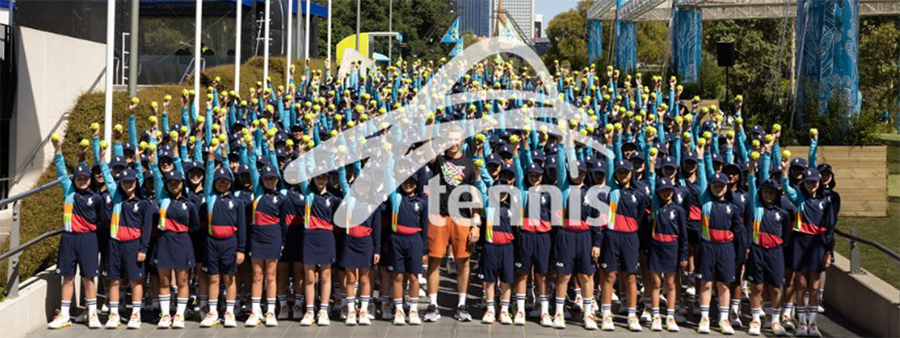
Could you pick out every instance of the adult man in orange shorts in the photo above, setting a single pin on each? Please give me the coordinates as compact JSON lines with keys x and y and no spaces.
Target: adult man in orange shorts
{"x":454,"y":171}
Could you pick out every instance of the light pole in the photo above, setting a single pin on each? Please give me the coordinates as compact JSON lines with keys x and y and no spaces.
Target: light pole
{"x":198,"y":21}
{"x":357,"y":25}
{"x":391,"y":29}
{"x":237,"y":47}
{"x":287,"y":65}
{"x":329,"y":33}
{"x":133,"y":48}
{"x":268,"y":15}
{"x":110,"y":48}
{"x":306,"y":33}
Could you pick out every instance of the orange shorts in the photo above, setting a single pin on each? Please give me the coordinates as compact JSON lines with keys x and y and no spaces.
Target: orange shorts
{"x":439,"y":236}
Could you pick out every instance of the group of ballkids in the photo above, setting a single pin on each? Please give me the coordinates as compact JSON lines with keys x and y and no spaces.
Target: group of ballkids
{"x":201,"y":211}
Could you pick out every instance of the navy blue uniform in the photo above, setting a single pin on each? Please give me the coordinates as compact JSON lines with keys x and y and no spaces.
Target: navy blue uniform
{"x":82,"y":212}
{"x":409,"y":233}
{"x":130,"y":224}
{"x":498,"y":253}
{"x":362,"y":241}
{"x":269,"y":228}
{"x":318,"y":235}
{"x":294,"y":217}
{"x":226,"y":232}
{"x":533,"y":241}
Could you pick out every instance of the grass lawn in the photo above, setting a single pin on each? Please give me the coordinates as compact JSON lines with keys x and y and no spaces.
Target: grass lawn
{"x":882,"y":230}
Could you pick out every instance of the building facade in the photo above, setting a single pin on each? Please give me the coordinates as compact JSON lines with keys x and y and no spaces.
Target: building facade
{"x":522,"y":13}
{"x":475,"y":16}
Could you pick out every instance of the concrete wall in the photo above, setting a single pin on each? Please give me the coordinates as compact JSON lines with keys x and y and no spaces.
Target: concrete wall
{"x":864,"y":299}
{"x":36,"y":305}
{"x":53,"y":71}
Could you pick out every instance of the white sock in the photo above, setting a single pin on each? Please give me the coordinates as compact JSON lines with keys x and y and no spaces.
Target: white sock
{"x":364,"y":303}
{"x":229,"y":306}
{"x":723,"y":313}
{"x":545,"y":304}
{"x":351,"y":303}
{"x":811,"y":317}
{"x":776,"y":316}
{"x":136,"y":309}
{"x":462,"y":300}
{"x":214,"y":307}
{"x":432,"y":299}
{"x":165,"y":303}
{"x":560,"y":302}
{"x":182,"y":304}
{"x":520,"y":302}
{"x":756,"y":313}
{"x":64,"y":309}
{"x":91,"y":305}
{"x":504,"y":305}
{"x":257,"y":309}
{"x":270,"y":305}
{"x":114,"y":308}
{"x":736,"y":306}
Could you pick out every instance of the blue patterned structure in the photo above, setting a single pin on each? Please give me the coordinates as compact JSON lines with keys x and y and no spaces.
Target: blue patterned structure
{"x":626,"y":46}
{"x":828,"y":52}
{"x":595,"y":40}
{"x":686,"y":42}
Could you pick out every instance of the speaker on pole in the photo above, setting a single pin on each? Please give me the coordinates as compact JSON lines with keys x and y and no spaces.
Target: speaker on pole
{"x":725,"y":53}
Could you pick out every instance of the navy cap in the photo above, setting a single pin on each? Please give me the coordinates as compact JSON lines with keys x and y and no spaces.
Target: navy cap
{"x":719,"y":178}
{"x":668,"y":162}
{"x":127,"y":175}
{"x":507,"y":169}
{"x":637,"y":156}
{"x":534,"y":168}
{"x":148,"y":177}
{"x":127,"y":146}
{"x":165,"y":154}
{"x":597,"y":166}
{"x":665,"y":183}
{"x":174,"y":175}
{"x":731,"y":169}
{"x":223,"y":174}
{"x":195,"y":165}
{"x":219,"y":158}
{"x":628,"y":145}
{"x":493,"y":158}
{"x":550,"y":164}
{"x":582,"y":166}
{"x":758,"y":130}
{"x":268,"y":171}
{"x":281,"y":138}
{"x":537,"y":155}
{"x":825,"y":168}
{"x":689,"y":156}
{"x":717,"y":158}
{"x":771,"y":183}
{"x":624,"y":165}
{"x":82,"y":170}
{"x":118,"y":161}
{"x":505,"y":151}
{"x":798,"y":162}
{"x":811,"y":174}
{"x":244,"y":169}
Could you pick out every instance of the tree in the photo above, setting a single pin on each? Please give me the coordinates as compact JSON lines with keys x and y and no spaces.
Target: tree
{"x":567,"y":33}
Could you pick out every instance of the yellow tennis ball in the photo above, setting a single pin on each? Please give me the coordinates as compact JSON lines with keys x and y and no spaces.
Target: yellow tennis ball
{"x":754,"y":155}
{"x":701,"y":142}
{"x":786,"y":153}
{"x":248,"y":139}
{"x":154,"y":104}
{"x":686,"y":135}
{"x":739,"y":121}
{"x":173,"y":134}
{"x":152,"y":119}
{"x":814,"y":132}
{"x":730,"y":134}
{"x":223,"y":138}
{"x":167,"y":98}
{"x":54,"y":137}
{"x":103,"y":144}
{"x":85,"y":143}
{"x":143,"y":145}
{"x":201,"y":119}
{"x":95,"y":126}
{"x":755,"y":143}
{"x":769,"y":138}
{"x":192,"y":139}
{"x":707,"y":135}
{"x":135,"y":100}
{"x":118,"y":127}
{"x":289,"y":143}
{"x":271,"y":132}
{"x":653,"y":151}
{"x":214,"y":142}
{"x":679,"y":119}
{"x":776,"y":127}
{"x":152,"y":147}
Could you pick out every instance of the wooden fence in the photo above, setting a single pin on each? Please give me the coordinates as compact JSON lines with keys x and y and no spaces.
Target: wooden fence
{"x":861,"y":174}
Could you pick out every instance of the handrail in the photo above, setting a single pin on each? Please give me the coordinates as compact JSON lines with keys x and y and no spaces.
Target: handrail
{"x":6,"y":255}
{"x":877,"y":245}
{"x":28,"y":193}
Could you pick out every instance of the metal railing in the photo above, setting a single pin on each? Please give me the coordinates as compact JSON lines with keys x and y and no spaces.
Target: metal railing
{"x":855,"y":265}
{"x":15,"y":248}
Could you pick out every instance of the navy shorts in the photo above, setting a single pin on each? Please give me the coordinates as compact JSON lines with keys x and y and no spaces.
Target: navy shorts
{"x":716,"y":262}
{"x":572,"y":252}
{"x":809,"y":252}
{"x":174,"y":250}
{"x":620,"y":251}
{"x":265,"y":242}
{"x":358,"y":252}
{"x":221,"y":256}
{"x":765,"y":266}
{"x":293,"y":245}
{"x":663,"y":257}
{"x":78,"y":250}
{"x":121,"y":260}
{"x":318,"y":247}
{"x":532,"y":250}
{"x":406,"y":253}
{"x":693,"y":231}
{"x":497,"y":262}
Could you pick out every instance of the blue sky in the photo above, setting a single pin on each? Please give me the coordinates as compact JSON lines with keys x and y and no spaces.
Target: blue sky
{"x":550,"y":8}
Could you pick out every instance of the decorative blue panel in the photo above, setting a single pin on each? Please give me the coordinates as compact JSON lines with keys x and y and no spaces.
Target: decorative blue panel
{"x":686,"y":40}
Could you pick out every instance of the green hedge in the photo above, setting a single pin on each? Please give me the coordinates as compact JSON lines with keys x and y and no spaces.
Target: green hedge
{"x":43,"y":212}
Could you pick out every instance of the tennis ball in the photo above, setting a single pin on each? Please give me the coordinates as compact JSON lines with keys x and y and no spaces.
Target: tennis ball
{"x":739,"y":121}
{"x":333,"y":133}
{"x":103,"y":144}
{"x":143,"y":145}
{"x":223,"y":138}
{"x":152,"y":119}
{"x":215,"y":126}
{"x":583,"y":132}
{"x":688,"y":117}
{"x":54,"y":137}
{"x":245,"y":132}
{"x":338,"y":117}
{"x":362,"y":140}
{"x":701,"y":142}
{"x":730,"y":134}
{"x":387,"y":146}
{"x":192,"y":139}
{"x":305,"y":138}
{"x":707,"y":135}
{"x":311,"y":143}
{"x":769,"y":138}
{"x":479,"y":163}
{"x":152,"y":147}
{"x":214,"y":142}
{"x":154,"y":104}
{"x":248,"y":139}
{"x":618,"y":126}
{"x":173,"y":134}
{"x":218,"y":79}
{"x":342,"y":149}
{"x":754,"y":155}
{"x":167,"y":98}
{"x":814,"y":132}
{"x":118,"y":128}
{"x":609,"y":127}
{"x":739,"y":98}
{"x":672,"y":79}
{"x":679,"y":88}
{"x":264,"y":121}
{"x":185,"y":92}
{"x":638,"y":119}
{"x":679,"y":119}
{"x":289,"y":143}
{"x":271,"y":132}
{"x":135,"y":100}
{"x":651,"y":130}
{"x":514,"y":139}
{"x":776,"y":127}
{"x":653,"y":151}
{"x":696,"y":99}
{"x":95,"y":126}
{"x":786,"y":153}
{"x":479,"y":137}
{"x":85,"y":143}
{"x":686,"y":135}
{"x":209,"y":96}
{"x":755,"y":143}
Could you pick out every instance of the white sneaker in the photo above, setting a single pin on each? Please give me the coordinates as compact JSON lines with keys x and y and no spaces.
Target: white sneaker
{"x":165,"y":322}
{"x":308,"y":318}
{"x":230,"y":321}
{"x":271,"y":319}
{"x":297,"y":312}
{"x":608,"y":324}
{"x":59,"y":321}
{"x":520,"y":318}
{"x":646,"y":316}
{"x":399,"y":317}
{"x":590,"y":322}
{"x":820,"y":309}
{"x":94,"y":321}
{"x":351,"y":318}
{"x":134,"y":322}
{"x":505,"y":318}
{"x":703,"y":327}
{"x":778,"y":329}
{"x":656,"y":324}
{"x":114,"y":321}
{"x":387,"y":313}
{"x":735,"y":319}
{"x":634,"y":324}
{"x":323,"y":319}
{"x":104,"y":308}
{"x":691,"y":291}
{"x":254,"y":320}
{"x":414,"y":318}
{"x":559,"y":321}
{"x":787,"y":322}
{"x":177,"y":322}
{"x":488,"y":317}
{"x":672,"y":324}
{"x":725,"y":327}
{"x":755,"y":328}
{"x":211,"y":319}
{"x":363,"y":318}
{"x":802,"y":330}
{"x":283,"y":312}
{"x":546,"y":320}
{"x":615,"y":297}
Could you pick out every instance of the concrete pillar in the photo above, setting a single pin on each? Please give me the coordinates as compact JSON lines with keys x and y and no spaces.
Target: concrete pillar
{"x":687,"y":40}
